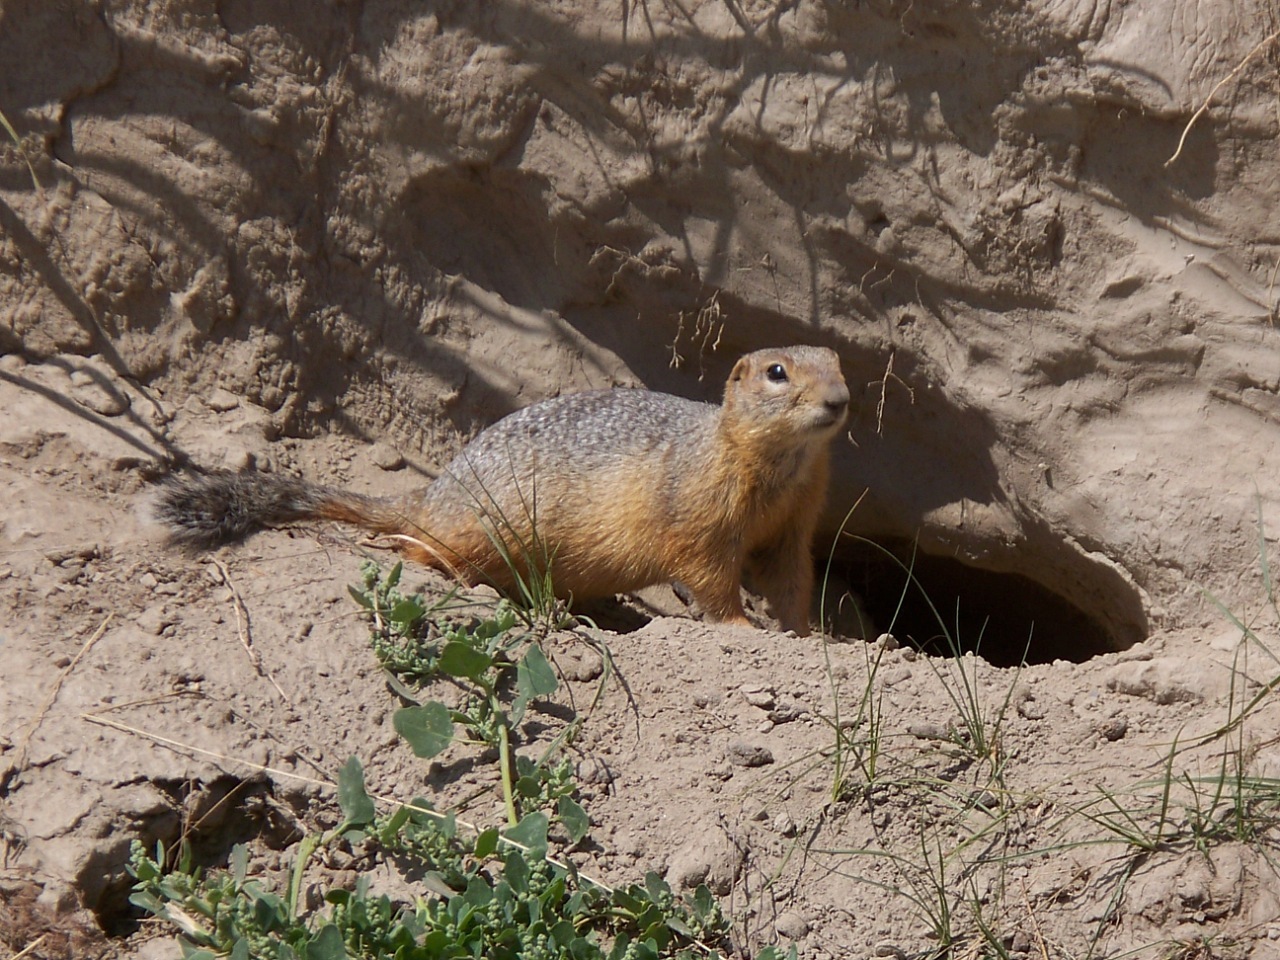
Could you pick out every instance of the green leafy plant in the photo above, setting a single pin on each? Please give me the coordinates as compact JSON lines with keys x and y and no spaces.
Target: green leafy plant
{"x":479,"y":653}
{"x":496,"y":895}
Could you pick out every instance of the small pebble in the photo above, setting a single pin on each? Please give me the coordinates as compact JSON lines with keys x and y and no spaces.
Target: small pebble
{"x":743,"y":754}
{"x":754,"y":809}
{"x":101,"y":399}
{"x":1114,"y":729}
{"x":222,"y":400}
{"x":594,"y":771}
{"x":791,"y":925}
{"x":985,"y":800}
{"x":927,"y":730}
{"x":386,"y":457}
{"x":1031,"y":710}
{"x":786,"y":711}
{"x":758,"y":695}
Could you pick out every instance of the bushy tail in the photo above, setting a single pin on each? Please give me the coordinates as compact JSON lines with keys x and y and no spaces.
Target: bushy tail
{"x":207,"y":509}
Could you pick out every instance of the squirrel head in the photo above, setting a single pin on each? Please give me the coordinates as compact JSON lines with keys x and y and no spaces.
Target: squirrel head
{"x":796,"y":393}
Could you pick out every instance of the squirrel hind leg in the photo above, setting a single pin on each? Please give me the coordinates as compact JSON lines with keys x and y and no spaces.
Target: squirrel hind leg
{"x":467,"y":555}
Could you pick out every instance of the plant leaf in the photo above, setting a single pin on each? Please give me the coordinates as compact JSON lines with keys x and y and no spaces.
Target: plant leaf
{"x":355,"y":803}
{"x":531,"y":832}
{"x":240,"y":858}
{"x":535,"y":676}
{"x":486,"y":844}
{"x":327,"y":945}
{"x":459,"y":659}
{"x":575,"y":819}
{"x":407,"y":612}
{"x":428,"y":728}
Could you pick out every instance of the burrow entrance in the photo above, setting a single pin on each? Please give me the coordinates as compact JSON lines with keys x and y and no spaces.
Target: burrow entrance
{"x":941,"y":605}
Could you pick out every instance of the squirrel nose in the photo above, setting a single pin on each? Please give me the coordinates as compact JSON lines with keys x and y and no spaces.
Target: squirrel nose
{"x":837,"y":403}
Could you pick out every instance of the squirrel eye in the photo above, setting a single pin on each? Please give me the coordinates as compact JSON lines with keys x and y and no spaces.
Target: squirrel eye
{"x":777,"y":373}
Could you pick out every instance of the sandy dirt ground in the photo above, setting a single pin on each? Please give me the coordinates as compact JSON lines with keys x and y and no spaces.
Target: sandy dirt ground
{"x":338,"y":240}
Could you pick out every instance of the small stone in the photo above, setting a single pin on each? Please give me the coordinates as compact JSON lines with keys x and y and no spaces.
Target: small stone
{"x":985,"y":800}
{"x":895,"y":675}
{"x":890,"y":950}
{"x":221,"y":400}
{"x":154,"y":619}
{"x":238,"y":459}
{"x":784,"y":825}
{"x":688,"y":873}
{"x":1031,"y":710}
{"x":1114,"y":729}
{"x":102,"y":397}
{"x":754,"y":809}
{"x":887,"y":641}
{"x":1164,"y":681}
{"x":62,"y":662}
{"x":580,"y":665}
{"x":743,"y":754}
{"x":593,"y":771}
{"x":927,"y":730}
{"x":758,"y":695}
{"x":791,"y":925}
{"x":386,"y":457}
{"x":787,"y":710}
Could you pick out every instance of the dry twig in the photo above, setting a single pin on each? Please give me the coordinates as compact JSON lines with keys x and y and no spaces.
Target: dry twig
{"x":242,"y":627}
{"x":1214,"y":92}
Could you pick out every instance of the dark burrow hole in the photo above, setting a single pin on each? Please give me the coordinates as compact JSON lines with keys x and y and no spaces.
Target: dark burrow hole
{"x":944,"y":605}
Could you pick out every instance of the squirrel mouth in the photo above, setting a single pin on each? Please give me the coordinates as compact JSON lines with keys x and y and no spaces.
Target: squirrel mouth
{"x":830,"y":416}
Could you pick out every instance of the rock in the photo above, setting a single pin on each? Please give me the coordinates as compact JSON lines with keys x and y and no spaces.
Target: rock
{"x":711,"y":859}
{"x":895,"y":675}
{"x":742,"y":754}
{"x":221,"y":400}
{"x":787,"y":710}
{"x":758,"y":695}
{"x":687,"y":871}
{"x":928,"y":730}
{"x":1029,"y":709}
{"x":581,"y":665}
{"x":1166,"y":680}
{"x":784,"y":825}
{"x":1113,"y":729}
{"x":594,"y":771}
{"x":386,"y":457}
{"x":791,"y":925}
{"x":97,"y":392}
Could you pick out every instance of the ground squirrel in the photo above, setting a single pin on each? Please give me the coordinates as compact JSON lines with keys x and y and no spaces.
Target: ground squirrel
{"x":622,"y":489}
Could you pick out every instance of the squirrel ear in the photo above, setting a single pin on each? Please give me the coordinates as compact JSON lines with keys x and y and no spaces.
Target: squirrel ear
{"x":739,"y":370}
